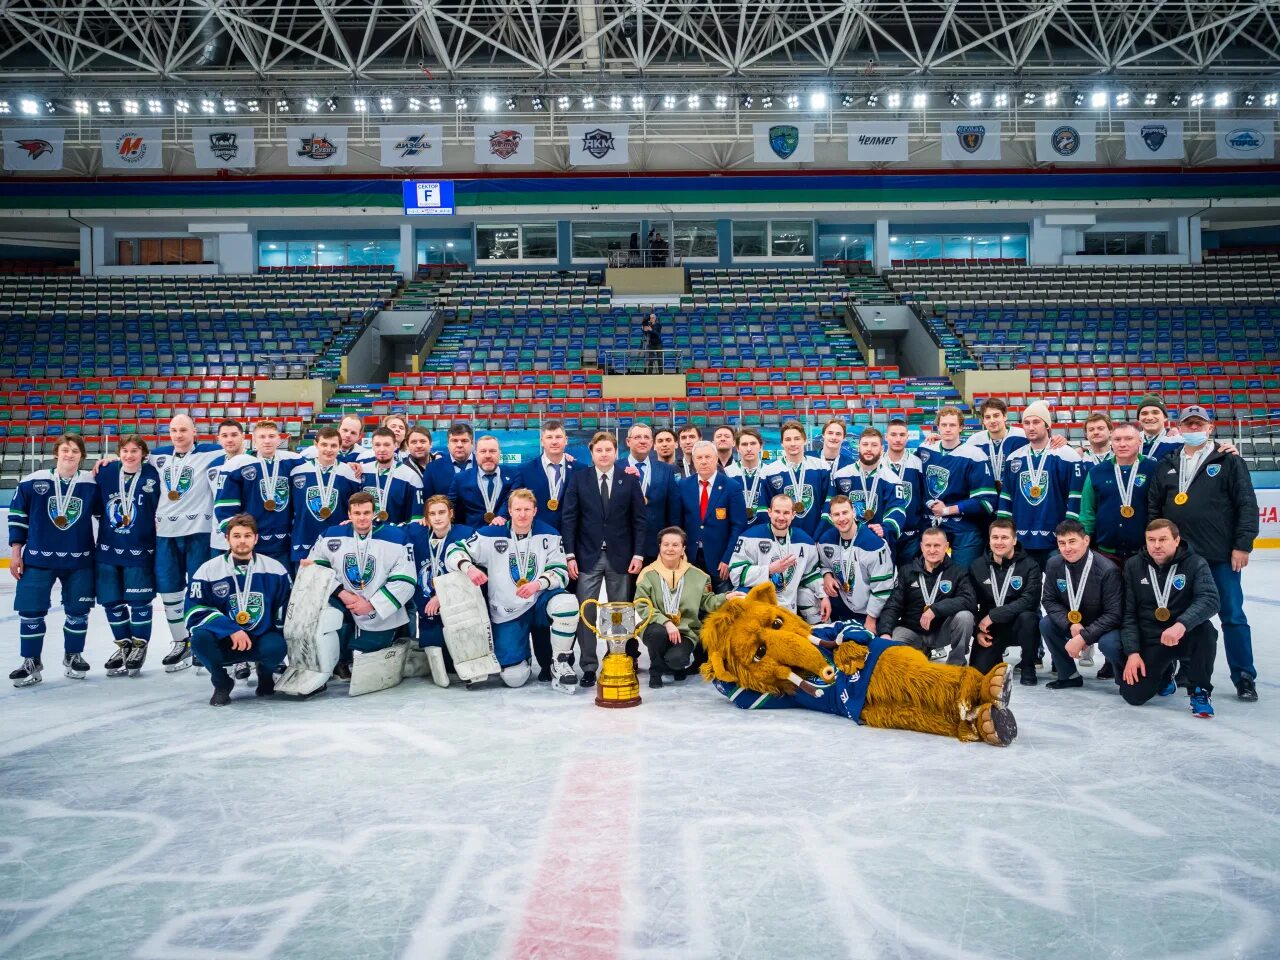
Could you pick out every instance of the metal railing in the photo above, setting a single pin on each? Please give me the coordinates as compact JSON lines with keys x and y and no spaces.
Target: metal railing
{"x":646,"y":257}
{"x":640,"y":361}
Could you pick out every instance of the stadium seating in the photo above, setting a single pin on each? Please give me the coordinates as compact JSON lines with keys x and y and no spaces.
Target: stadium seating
{"x":462,"y":292}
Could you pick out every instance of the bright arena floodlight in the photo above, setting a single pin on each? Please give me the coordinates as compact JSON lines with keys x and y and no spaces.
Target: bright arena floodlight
{"x":460,"y":103}
{"x":182,"y":106}
{"x":131,"y":107}
{"x":155,"y":106}
{"x":588,"y":102}
{"x":538,"y":103}
{"x":386,"y":104}
{"x":919,"y":101}
{"x":104,"y":106}
{"x":434,"y":104}
{"x":1221,"y":99}
{"x":252,"y":106}
{"x":312,"y":104}
{"x":1001,"y":100}
{"x":615,"y":102}
{"x":669,"y":102}
{"x":1270,"y":99}
{"x":693,"y":101}
{"x":975,"y":98}
{"x":361,"y":105}
{"x":1028,"y":98}
{"x":1197,"y":100}
{"x":793,"y":101}
{"x":28,"y":107}
{"x":489,"y":103}
{"x":1051,"y":98}
{"x":80,"y":107}
{"x":766,"y":102}
{"x":637,"y":102}
{"x":414,"y":104}
{"x":1151,"y":99}
{"x":282,"y":106}
{"x":1098,"y":99}
{"x":563,"y":102}
{"x":721,"y":101}
{"x":1122,"y":99}
{"x":229,"y":106}
{"x":818,"y":100}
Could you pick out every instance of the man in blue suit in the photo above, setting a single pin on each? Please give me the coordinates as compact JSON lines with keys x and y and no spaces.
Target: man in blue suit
{"x":548,"y":477}
{"x":478,"y":493}
{"x":658,"y":482}
{"x":603,"y":532}
{"x":439,"y":474}
{"x":713,"y":514}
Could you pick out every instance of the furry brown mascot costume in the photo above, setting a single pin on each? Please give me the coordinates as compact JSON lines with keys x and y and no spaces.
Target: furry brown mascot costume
{"x":762,"y":656}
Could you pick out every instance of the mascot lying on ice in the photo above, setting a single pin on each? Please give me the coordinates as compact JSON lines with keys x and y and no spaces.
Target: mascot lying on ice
{"x":762,"y":656}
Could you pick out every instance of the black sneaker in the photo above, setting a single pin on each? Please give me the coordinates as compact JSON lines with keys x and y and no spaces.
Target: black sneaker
{"x":1246,"y":690}
{"x":679,"y":675}
{"x":588,"y":678}
{"x":655,"y":681}
{"x":1060,"y":684}
{"x":1108,"y":672}
{"x":266,"y":683}
{"x":1028,"y":678}
{"x":221,"y":697}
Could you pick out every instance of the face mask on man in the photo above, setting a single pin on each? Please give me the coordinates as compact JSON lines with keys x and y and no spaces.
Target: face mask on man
{"x":1195,"y":439}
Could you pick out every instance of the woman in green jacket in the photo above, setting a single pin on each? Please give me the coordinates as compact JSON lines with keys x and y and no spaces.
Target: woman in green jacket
{"x":681,"y":596}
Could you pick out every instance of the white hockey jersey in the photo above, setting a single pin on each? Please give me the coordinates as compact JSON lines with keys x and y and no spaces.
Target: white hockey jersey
{"x":378,"y":567}
{"x":797,"y":586}
{"x":863,"y":568}
{"x":186,"y":488}
{"x":508,"y":559}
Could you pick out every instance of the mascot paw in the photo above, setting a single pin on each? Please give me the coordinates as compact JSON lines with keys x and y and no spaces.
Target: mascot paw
{"x":996,"y":725}
{"x":850,"y":656}
{"x":998,"y":685}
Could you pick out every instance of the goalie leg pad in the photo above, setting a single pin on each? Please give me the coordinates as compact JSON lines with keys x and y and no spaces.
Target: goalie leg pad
{"x":435,"y":660}
{"x":516,"y":675}
{"x":378,"y":669}
{"x":311,"y":629}
{"x":415,"y":662}
{"x":468,"y":634}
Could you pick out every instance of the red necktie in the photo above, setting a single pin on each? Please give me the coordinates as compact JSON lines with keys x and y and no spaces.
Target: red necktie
{"x":702,"y":501}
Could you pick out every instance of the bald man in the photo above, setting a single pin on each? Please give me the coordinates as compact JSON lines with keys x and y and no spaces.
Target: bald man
{"x":184,"y":523}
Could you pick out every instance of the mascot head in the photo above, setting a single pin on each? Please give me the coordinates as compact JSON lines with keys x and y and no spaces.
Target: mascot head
{"x":753,"y":642}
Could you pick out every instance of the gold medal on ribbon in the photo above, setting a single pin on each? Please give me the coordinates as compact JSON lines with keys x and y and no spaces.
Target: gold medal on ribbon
{"x":1181,"y":498}
{"x":522,"y":581}
{"x":242,"y":617}
{"x":848,"y":587}
{"x":1126,"y":511}
{"x":382,"y":516}
{"x":1163,"y":614}
{"x":325,"y":513}
{"x":268,"y":505}
{"x":553,"y":504}
{"x":675,"y":617}
{"x":60,"y":522}
{"x":488,"y":517}
{"x":868,"y":515}
{"x":1074,"y":616}
{"x":174,"y":495}
{"x":1036,"y":491}
{"x":125,"y":520}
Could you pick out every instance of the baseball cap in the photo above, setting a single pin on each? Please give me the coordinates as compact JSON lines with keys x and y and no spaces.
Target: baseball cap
{"x":1195,"y":411}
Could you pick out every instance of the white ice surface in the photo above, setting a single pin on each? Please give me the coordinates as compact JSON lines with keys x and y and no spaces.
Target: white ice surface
{"x":139,"y":822}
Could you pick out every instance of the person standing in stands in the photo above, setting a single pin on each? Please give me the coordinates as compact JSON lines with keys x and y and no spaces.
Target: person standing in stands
{"x":1097,"y":436}
{"x":603,"y":531}
{"x":713,"y":513}
{"x":1206,"y":491}
{"x":904,"y":468}
{"x":1041,"y":486}
{"x":1083,"y":599}
{"x":1008,"y":587}
{"x":959,"y":489}
{"x":441,"y":473}
{"x":651,"y":327}
{"x":658,"y":483}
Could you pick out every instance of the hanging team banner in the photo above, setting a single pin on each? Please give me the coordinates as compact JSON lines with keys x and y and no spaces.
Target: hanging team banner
{"x":1246,"y":140}
{"x":1153,"y":140}
{"x":599,"y":144}
{"x":33,"y":148}
{"x":1066,"y":141}
{"x":132,"y":148}
{"x":972,"y":140}
{"x":223,"y":148}
{"x":881,"y":140}
{"x":782,"y":142}
{"x":505,"y":145}
{"x":316,"y":145}
{"x":411,"y":145}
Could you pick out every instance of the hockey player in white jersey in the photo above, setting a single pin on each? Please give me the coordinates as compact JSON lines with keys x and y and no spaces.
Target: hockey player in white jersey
{"x":524,"y":565}
{"x":776,"y":550}
{"x":184,"y":522}
{"x":376,"y":580}
{"x":857,"y":566}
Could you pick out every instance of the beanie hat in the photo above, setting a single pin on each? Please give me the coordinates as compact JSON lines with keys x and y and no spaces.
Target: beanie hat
{"x":1038,"y":409}
{"x":1151,"y":400}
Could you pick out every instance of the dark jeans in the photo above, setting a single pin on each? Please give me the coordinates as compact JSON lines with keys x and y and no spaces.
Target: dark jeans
{"x":1056,"y":639}
{"x":1197,"y":647}
{"x":1237,"y":638}
{"x":267,"y":650}
{"x":1022,"y":633}
{"x":665,"y":655}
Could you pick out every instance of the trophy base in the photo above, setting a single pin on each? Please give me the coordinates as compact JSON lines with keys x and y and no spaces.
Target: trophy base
{"x":617,"y":685}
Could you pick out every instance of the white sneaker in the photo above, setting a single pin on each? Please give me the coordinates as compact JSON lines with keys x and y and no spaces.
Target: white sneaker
{"x":1086,"y":655}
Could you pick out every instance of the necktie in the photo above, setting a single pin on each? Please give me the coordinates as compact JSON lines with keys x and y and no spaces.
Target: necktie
{"x":604,"y":491}
{"x":556,"y":467}
{"x":702,"y":500}
{"x":488,"y":478}
{"x":459,"y":466}
{"x":640,"y":469}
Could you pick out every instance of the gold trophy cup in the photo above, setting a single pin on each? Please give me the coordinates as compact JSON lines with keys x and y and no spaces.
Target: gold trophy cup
{"x":617,"y":622}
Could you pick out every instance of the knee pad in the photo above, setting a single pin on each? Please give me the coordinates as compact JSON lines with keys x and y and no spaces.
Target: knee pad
{"x":562,"y":605}
{"x":76,"y":623}
{"x":117,"y":614}
{"x":140,"y":614}
{"x":517,"y":674}
{"x":32,"y":622}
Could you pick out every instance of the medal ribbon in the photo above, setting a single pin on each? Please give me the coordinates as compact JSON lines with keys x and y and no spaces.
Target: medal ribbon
{"x":1074,"y":595}
{"x":1000,"y":590}
{"x":1126,"y":489}
{"x":126,"y":490}
{"x":1162,"y":594}
{"x":61,"y":498}
{"x":242,"y":593}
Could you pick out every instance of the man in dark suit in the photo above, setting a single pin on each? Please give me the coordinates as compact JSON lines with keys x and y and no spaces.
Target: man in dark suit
{"x":437,"y":478}
{"x":713,"y":514}
{"x":548,"y":477}
{"x":603,"y":532}
{"x":657,"y":482}
{"x":479,"y":493}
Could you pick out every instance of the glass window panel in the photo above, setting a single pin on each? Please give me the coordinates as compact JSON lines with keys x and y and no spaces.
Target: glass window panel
{"x":330,"y":254}
{"x":1159,"y":243}
{"x":696,"y":238}
{"x":986,"y":246}
{"x":751,"y":238}
{"x":900,"y":247}
{"x":595,"y":240}
{"x":539,"y":241}
{"x":957,"y":248}
{"x":497,"y":243}
{"x":302,"y":253}
{"x":791,"y":238}
{"x":1013,"y":246}
{"x":927,"y":247}
{"x":272,"y":255}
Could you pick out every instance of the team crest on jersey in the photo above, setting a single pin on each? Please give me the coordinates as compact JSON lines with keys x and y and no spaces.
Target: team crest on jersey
{"x":300,"y":482}
{"x":75,"y":506}
{"x":222,"y":590}
{"x":780,"y":580}
{"x":500,"y":546}
{"x":936,"y":480}
{"x":185,"y":477}
{"x":1025,"y":484}
{"x":281,"y":494}
{"x":116,"y":514}
{"x":1179,"y":581}
{"x":1213,"y":469}
{"x":41,"y":488}
{"x":333,"y":544}
{"x":314,"y":503}
{"x":531,"y":567}
{"x":1062,"y":585}
{"x":254,"y":608}
{"x":1141,"y":481}
{"x":766,"y":546}
{"x":945,"y":586}
{"x":1015,"y":582}
{"x":351,"y":570}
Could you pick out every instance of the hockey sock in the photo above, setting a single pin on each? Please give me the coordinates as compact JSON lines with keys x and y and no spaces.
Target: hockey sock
{"x":74,"y":629}
{"x":32,"y":634}
{"x":140,"y":623}
{"x":118,"y":620}
{"x":173,"y":612}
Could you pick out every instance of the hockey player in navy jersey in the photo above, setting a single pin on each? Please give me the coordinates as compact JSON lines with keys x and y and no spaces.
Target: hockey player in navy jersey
{"x":959,"y":489}
{"x":184,"y":522}
{"x":876,"y":499}
{"x":322,"y":486}
{"x":395,"y":487}
{"x":1041,"y":485}
{"x":350,"y":450}
{"x":231,"y":438}
{"x":1113,"y":500}
{"x":428,"y":543}
{"x":831,"y":448}
{"x":129,"y":491}
{"x":996,"y":439}
{"x":804,"y":477}
{"x":904,"y":468}
{"x":260,"y":488}
{"x":857,"y":566}
{"x":235,"y":609}
{"x":51,"y":541}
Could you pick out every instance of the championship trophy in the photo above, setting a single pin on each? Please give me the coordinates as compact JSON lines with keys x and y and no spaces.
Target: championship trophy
{"x":617,"y":685}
